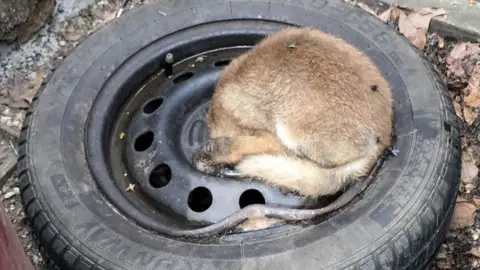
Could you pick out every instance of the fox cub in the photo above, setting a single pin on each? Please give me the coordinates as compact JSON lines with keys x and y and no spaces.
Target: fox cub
{"x":302,"y":110}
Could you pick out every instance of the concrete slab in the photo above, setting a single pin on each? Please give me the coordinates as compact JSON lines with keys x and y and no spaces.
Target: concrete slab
{"x":460,"y":13}
{"x":462,"y":20}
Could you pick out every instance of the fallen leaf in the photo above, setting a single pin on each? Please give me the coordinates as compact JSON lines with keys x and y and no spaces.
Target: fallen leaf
{"x":473,"y":88}
{"x":24,"y":89}
{"x":469,"y":115}
{"x":415,"y":25}
{"x":463,"y":216}
{"x":460,"y":64}
{"x":473,"y":99}
{"x":475,"y":264}
{"x":131,"y":187}
{"x":392,"y":14}
{"x":441,"y":42}
{"x":475,"y":251}
{"x":476,"y":201}
{"x":458,"y":109}
{"x":108,"y":16}
{"x":441,"y":255}
{"x":469,"y":172}
{"x":469,"y":188}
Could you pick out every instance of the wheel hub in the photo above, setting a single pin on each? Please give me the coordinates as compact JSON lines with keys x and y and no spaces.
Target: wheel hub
{"x":169,"y":127}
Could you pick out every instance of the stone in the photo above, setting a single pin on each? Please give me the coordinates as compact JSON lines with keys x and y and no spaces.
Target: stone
{"x":9,"y":195}
{"x":24,"y":18}
{"x":463,"y":216}
{"x":13,"y":13}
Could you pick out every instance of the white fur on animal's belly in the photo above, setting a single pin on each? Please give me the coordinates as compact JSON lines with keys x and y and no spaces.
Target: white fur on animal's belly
{"x":285,"y":136}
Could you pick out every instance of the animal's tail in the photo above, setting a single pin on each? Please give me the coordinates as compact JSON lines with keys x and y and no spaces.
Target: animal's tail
{"x":300,"y":175}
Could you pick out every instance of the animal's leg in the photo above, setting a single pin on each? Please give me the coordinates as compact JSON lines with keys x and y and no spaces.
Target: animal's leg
{"x":230,"y":150}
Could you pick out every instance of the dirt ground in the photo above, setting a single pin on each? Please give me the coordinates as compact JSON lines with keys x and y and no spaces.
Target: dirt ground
{"x":461,"y":249}
{"x":23,"y":69}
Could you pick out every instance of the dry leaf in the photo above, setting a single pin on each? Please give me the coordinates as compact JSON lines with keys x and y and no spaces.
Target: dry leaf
{"x":469,"y":115}
{"x":415,"y":25}
{"x":475,"y":251}
{"x":473,"y":88}
{"x":461,"y":64}
{"x":463,"y":215}
{"x":441,"y":42}
{"x":393,"y":13}
{"x":476,"y":201}
{"x":458,"y":109}
{"x":469,"y":172}
{"x":131,"y":187}
{"x":108,"y":16}
{"x":24,"y":89}
{"x":473,"y":99}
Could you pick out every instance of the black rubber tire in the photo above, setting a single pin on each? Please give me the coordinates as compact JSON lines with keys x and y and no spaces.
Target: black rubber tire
{"x":398,"y":224}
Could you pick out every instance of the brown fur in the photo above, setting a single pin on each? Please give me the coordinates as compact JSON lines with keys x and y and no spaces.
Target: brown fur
{"x":302,"y":110}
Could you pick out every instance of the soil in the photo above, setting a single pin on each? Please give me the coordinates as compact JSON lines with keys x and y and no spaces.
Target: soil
{"x":24,"y":68}
{"x":458,"y":249}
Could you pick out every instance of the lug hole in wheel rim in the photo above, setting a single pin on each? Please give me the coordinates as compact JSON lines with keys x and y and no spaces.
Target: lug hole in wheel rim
{"x":200,"y":199}
{"x":251,"y":196}
{"x":152,"y":105}
{"x":181,"y":78}
{"x":144,"y":141}
{"x":222,"y":63}
{"x":160,"y":176}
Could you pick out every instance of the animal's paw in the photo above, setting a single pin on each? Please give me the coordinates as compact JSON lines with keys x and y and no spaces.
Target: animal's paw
{"x":203,"y":162}
{"x":211,"y":155}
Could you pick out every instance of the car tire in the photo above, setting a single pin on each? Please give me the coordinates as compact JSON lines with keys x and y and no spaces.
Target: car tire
{"x":398,"y":223}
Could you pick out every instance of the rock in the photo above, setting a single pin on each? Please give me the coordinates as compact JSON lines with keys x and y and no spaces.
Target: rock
{"x":463,"y":216}
{"x":441,"y":255}
{"x":13,"y":13}
{"x":35,"y":259}
{"x":11,"y":193}
{"x":34,"y":15}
